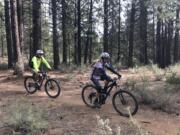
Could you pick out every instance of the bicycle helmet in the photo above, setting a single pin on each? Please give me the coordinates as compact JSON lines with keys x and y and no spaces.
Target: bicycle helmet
{"x":39,"y":52}
{"x":105,"y":55}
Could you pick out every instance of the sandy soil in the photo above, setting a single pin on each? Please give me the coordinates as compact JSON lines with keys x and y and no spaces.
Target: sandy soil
{"x":67,"y":114}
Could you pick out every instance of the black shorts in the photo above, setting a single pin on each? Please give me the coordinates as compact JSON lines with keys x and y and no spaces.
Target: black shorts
{"x":97,"y":83}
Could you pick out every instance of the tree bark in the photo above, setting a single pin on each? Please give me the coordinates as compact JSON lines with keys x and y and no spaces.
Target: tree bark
{"x":19,"y":69}
{"x":143,"y":32}
{"x":169,"y":43}
{"x":105,"y":40}
{"x":158,"y":39}
{"x":13,"y":34}
{"x":55,"y":36}
{"x":20,"y":23}
{"x":8,"y":34}
{"x":79,"y":31}
{"x":88,"y":49}
{"x":119,"y":33}
{"x":75,"y":33}
{"x":2,"y":43}
{"x":36,"y":25}
{"x":154,"y":37}
{"x":64,"y":31}
{"x":176,"y":39}
{"x":131,"y":34}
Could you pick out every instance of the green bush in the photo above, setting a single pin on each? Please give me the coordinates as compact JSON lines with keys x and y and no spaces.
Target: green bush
{"x":26,"y":118}
{"x":3,"y":66}
{"x":158,"y":72}
{"x":173,"y":79}
{"x":130,"y":84}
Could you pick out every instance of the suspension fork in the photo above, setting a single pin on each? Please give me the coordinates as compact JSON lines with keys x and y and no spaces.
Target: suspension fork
{"x":123,"y":101}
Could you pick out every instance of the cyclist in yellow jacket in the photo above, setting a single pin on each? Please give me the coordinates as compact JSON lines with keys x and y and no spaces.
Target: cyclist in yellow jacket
{"x":37,"y":63}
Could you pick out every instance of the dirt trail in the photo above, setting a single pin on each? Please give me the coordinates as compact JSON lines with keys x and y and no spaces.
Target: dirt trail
{"x":69,"y":115}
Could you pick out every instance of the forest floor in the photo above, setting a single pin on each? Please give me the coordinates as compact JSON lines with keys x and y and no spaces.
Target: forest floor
{"x":68,"y":115}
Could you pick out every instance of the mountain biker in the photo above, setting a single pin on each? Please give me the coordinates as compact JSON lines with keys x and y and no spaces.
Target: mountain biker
{"x":99,"y":74}
{"x":37,"y":63}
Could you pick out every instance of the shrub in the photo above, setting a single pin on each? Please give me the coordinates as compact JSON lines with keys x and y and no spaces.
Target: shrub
{"x":3,"y":66}
{"x":130,"y":84}
{"x":146,"y":96}
{"x":158,"y":72}
{"x":173,"y":79}
{"x":175,"y":68}
{"x":135,"y":127}
{"x":104,"y":128}
{"x":26,"y":118}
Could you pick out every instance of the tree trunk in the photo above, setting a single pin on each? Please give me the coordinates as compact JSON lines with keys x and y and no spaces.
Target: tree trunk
{"x":119,"y":32}
{"x":163,"y":45}
{"x":75,"y":33}
{"x":2,"y":43}
{"x":105,"y":41}
{"x":36,"y":5}
{"x":176,"y":40}
{"x":91,"y":32}
{"x":13,"y":34}
{"x":20,"y":23}
{"x":79,"y":31}
{"x":143,"y":32}
{"x":131,"y":34}
{"x":30,"y":33}
{"x":88,"y":49}
{"x":55,"y":35}
{"x":8,"y":34}
{"x":154,"y":37}
{"x":169,"y":43}
{"x":19,"y":69}
{"x":64,"y":32}
{"x":158,"y":39}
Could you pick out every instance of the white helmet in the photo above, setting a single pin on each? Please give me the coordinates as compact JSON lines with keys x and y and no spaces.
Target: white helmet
{"x":105,"y":55}
{"x":39,"y":52}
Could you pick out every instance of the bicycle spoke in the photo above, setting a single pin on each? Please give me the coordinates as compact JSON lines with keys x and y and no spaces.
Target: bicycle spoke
{"x":125,"y":103}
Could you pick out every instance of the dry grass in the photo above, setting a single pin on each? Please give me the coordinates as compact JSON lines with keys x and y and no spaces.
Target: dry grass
{"x":104,"y":128}
{"x":135,"y":127}
{"x":159,"y":93}
{"x":26,"y":118}
{"x":173,"y":78}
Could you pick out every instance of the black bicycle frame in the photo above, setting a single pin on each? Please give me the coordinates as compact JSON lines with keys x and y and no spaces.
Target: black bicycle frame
{"x":44,"y":76}
{"x":110,"y":87}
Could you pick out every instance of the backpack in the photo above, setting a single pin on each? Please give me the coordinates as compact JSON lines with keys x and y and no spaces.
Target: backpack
{"x":30,"y":63}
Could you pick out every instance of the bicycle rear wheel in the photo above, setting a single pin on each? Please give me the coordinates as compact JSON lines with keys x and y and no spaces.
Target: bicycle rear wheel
{"x":30,"y":85}
{"x":89,"y":96}
{"x":125,"y":103}
{"x":52,"y":88}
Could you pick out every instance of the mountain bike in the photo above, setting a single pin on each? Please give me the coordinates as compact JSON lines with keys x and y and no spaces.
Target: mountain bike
{"x":52,"y":87}
{"x":123,"y":101}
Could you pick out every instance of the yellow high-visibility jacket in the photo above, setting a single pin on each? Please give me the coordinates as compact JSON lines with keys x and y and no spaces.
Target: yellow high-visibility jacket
{"x":37,"y":63}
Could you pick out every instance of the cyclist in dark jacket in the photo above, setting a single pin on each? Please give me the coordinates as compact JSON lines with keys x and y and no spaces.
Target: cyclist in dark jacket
{"x":99,"y":72}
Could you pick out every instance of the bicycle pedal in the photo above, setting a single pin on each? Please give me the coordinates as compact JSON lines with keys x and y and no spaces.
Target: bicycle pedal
{"x":98,"y":106}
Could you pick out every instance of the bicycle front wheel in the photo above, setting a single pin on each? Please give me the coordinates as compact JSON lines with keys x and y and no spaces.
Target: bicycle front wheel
{"x":52,"y":88}
{"x":30,"y":85}
{"x":125,"y":103}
